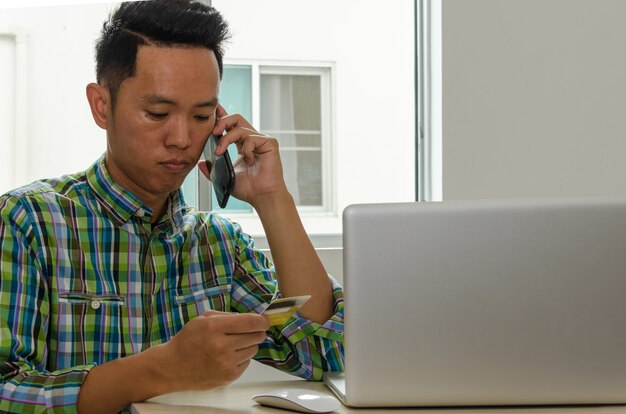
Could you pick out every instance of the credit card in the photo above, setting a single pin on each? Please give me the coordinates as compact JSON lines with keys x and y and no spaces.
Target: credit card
{"x":280,"y":310}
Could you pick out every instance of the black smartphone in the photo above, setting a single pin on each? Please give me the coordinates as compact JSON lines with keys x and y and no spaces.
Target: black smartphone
{"x":221,"y":171}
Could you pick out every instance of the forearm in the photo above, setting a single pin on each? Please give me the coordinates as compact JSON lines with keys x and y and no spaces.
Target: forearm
{"x":114,"y":385}
{"x":298,"y":267}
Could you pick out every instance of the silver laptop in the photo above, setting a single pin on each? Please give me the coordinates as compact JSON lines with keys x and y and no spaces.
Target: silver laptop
{"x":484,"y":303}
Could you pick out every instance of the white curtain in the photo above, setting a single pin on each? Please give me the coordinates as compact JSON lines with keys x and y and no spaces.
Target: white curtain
{"x":278,"y":114}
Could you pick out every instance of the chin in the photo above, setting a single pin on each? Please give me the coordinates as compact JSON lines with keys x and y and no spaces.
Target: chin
{"x":173,"y":181}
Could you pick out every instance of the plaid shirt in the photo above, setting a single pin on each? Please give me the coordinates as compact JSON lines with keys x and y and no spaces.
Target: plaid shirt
{"x":86,"y":279}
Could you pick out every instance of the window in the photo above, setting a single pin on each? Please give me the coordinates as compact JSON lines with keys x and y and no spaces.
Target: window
{"x":292,"y":111}
{"x":292,"y":104}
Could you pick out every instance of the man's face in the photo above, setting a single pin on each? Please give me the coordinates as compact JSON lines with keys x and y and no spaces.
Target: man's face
{"x":163,"y":116}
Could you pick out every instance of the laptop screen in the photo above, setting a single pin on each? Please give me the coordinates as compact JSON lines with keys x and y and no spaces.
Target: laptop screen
{"x":486,"y":302}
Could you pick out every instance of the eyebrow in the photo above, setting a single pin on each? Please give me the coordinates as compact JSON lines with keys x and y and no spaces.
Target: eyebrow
{"x":159,"y":99}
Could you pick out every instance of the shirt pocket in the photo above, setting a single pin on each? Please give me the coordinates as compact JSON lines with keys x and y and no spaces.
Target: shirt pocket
{"x":195,"y":303}
{"x":84,"y":327}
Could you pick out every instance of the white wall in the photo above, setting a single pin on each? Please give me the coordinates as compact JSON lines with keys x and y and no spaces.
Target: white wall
{"x":62,"y":137}
{"x":533,"y":98}
{"x":7,"y":106}
{"x":369,"y":46}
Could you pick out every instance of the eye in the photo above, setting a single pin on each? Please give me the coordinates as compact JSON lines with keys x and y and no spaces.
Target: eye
{"x":158,"y":116}
{"x":202,"y":118}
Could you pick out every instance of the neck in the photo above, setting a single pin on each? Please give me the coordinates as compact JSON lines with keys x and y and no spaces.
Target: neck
{"x":156,"y":202}
{"x":158,"y":212}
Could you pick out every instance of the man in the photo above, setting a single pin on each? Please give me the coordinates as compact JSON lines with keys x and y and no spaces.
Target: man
{"x":113,"y":290}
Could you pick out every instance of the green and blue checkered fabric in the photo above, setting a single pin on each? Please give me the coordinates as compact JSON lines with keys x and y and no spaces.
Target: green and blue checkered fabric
{"x":86,"y":278}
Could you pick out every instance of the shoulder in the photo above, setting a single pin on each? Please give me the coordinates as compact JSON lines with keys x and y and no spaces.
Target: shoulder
{"x":210,"y":220}
{"x":47,"y":192}
{"x":62,"y":186}
{"x":218,"y":228}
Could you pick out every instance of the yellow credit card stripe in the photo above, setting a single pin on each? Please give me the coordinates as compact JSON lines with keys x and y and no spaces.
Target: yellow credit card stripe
{"x":280,"y":310}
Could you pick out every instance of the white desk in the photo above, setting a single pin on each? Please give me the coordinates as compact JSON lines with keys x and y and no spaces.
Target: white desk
{"x":237,"y":398}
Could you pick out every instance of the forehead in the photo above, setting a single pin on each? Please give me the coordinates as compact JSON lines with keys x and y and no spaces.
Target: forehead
{"x":175,"y":72}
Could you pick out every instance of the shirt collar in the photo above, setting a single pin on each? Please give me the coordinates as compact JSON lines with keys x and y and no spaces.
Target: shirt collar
{"x":120,"y":204}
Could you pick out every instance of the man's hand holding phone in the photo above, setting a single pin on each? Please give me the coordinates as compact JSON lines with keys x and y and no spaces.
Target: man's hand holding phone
{"x":259,"y":181}
{"x":257,"y":169}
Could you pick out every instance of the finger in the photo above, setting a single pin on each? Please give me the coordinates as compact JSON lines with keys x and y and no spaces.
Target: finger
{"x":244,"y":365}
{"x":225,"y":123}
{"x":243,"y":341}
{"x":229,"y":123}
{"x":235,"y":372}
{"x":238,"y":342}
{"x":235,"y":343}
{"x":202,"y":166}
{"x":257,"y":144}
{"x":247,"y":323}
{"x":220,"y":125}
{"x":248,"y":143}
{"x":246,"y":354}
{"x":239,"y":138}
{"x":235,"y":135}
{"x":220,"y":111}
{"x":240,"y":323}
{"x":247,"y":149}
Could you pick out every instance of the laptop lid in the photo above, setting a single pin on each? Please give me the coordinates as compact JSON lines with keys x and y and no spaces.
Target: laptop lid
{"x":485,"y":303}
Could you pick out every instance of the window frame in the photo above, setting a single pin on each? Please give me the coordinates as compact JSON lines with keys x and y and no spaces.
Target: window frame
{"x":325,"y":70}
{"x":326,"y":138}
{"x":428,"y":97}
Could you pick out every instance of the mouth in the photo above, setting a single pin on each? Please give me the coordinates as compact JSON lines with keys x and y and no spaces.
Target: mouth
{"x":175,"y":166}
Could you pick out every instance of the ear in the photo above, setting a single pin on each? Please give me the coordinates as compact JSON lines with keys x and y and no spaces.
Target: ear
{"x":100,"y":103}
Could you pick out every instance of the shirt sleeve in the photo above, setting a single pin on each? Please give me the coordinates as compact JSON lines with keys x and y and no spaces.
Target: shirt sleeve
{"x":300,"y":347}
{"x":26,"y":385}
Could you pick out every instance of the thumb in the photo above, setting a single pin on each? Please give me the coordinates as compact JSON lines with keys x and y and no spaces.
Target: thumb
{"x":202,"y":165}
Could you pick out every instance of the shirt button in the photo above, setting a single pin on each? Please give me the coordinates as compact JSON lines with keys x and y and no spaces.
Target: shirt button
{"x":95,"y":304}
{"x":141,"y":212}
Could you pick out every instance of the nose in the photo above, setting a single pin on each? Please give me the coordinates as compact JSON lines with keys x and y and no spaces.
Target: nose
{"x":179,"y":134}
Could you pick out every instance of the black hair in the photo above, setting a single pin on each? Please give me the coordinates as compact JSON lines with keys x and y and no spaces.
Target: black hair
{"x":157,"y":22}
